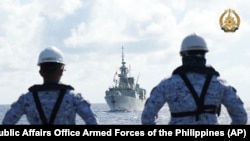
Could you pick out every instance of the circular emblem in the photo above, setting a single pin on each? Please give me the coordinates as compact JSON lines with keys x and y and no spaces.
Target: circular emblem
{"x":229,"y":21}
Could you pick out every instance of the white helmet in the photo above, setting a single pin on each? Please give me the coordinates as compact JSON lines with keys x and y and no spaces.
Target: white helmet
{"x":193,"y":42}
{"x":51,"y":54}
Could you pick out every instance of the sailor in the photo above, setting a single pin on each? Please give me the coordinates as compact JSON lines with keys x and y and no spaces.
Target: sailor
{"x":51,"y":102}
{"x":194,"y":92}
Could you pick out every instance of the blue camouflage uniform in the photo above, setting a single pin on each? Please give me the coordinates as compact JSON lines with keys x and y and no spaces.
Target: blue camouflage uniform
{"x":175,"y":93}
{"x":71,"y":105}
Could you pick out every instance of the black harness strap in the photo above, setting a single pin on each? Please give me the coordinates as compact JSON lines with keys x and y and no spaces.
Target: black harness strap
{"x":48,"y":87}
{"x":205,"y":109}
{"x":55,"y":109}
{"x":57,"y":105}
{"x":201,"y":108}
{"x":39,"y":108}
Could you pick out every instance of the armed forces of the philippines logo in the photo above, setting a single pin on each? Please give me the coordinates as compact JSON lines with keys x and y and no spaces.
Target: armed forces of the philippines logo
{"x":229,"y":21}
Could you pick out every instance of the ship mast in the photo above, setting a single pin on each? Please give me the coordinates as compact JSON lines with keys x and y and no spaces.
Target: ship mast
{"x":124,"y":81}
{"x":123,"y":68}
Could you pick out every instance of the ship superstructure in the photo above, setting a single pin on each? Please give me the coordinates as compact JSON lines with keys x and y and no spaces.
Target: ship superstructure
{"x":126,"y":94}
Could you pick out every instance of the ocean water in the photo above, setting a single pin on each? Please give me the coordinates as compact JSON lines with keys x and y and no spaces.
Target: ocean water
{"x":107,"y":117}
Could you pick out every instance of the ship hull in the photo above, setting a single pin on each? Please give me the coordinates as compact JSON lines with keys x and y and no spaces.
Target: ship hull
{"x":124,"y":103}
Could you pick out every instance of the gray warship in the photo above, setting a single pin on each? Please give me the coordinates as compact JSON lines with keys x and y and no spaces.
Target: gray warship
{"x":125,"y":94}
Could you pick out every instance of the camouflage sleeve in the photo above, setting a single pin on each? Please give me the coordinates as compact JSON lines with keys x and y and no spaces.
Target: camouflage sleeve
{"x":234,"y":106}
{"x":15,"y":112}
{"x":152,"y":106}
{"x":85,"y":111}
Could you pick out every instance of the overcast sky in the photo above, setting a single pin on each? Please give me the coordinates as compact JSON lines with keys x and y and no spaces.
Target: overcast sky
{"x":91,"y":34}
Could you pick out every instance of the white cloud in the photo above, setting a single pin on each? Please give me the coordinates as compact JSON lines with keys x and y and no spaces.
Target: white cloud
{"x":58,"y":9}
{"x":125,"y":21}
{"x":91,"y":34}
